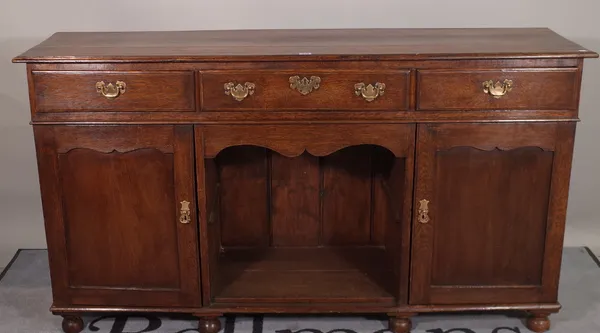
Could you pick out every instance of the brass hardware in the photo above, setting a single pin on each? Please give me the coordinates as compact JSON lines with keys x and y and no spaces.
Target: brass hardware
{"x":184,"y":212}
{"x":111,"y":91}
{"x":239,"y":91}
{"x":305,"y":85}
{"x":369,"y":92}
{"x":497,"y":89}
{"x":424,"y":211}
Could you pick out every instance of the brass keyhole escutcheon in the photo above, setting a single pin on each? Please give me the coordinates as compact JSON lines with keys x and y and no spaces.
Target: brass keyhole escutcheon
{"x":424,"y":211}
{"x":184,"y":212}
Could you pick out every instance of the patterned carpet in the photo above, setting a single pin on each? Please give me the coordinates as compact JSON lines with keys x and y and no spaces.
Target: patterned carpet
{"x":25,"y":297}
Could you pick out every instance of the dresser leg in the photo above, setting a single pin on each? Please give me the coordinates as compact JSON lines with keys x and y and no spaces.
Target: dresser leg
{"x":72,"y":324}
{"x":209,"y":324}
{"x":400,"y":323}
{"x":538,"y":321}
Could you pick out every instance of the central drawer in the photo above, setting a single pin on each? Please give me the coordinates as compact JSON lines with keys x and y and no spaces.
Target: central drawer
{"x":278,"y":90}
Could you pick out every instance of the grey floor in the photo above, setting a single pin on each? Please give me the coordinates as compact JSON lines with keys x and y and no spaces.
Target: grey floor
{"x":25,"y":296}
{"x":596,"y":250}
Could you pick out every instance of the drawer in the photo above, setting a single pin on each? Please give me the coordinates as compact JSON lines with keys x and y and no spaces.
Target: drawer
{"x":60,"y":91}
{"x":305,"y":90}
{"x":512,"y":89}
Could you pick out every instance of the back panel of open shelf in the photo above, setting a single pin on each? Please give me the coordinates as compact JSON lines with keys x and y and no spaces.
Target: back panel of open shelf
{"x":306,"y":228}
{"x":346,"y":198}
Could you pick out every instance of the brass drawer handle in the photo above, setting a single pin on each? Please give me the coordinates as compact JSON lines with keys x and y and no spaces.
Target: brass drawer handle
{"x":497,"y":89}
{"x":369,"y":92}
{"x":184,"y":212}
{"x":305,"y":85}
{"x":111,"y":91}
{"x":239,"y":91}
{"x":424,"y":211}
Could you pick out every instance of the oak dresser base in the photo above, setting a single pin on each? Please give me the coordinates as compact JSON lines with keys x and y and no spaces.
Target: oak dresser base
{"x":390,"y":171}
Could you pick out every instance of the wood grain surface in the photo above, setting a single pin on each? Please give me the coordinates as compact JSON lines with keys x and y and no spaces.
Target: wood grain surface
{"x":67,"y":91}
{"x":397,"y":44}
{"x":305,"y":203}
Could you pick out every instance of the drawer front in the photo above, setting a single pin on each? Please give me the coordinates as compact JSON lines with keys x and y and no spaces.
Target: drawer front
{"x":511,"y":89}
{"x":65,"y":91}
{"x":306,"y":90}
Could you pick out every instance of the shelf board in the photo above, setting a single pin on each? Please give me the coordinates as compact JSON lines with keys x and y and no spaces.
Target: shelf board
{"x":317,"y":275}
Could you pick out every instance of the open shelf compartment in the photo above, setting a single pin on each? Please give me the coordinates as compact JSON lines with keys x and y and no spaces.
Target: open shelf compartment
{"x":306,"y":228}
{"x":305,"y":274}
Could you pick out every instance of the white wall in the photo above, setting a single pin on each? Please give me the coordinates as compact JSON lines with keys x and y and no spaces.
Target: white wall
{"x":24,"y":23}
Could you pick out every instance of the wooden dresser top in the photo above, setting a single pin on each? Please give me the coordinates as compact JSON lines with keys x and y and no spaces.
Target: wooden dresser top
{"x":268,"y":45}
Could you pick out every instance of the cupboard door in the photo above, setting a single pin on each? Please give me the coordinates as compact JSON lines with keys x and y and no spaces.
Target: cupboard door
{"x":112,"y":199}
{"x":489,"y":215}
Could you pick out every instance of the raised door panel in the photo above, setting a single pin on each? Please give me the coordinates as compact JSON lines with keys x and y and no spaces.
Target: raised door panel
{"x":491,"y":230}
{"x":112,"y":199}
{"x":114,"y":232}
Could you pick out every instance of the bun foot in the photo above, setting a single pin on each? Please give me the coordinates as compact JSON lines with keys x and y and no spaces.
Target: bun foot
{"x":209,"y":325}
{"x":538,"y":322}
{"x":72,"y":324}
{"x":400,"y":324}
